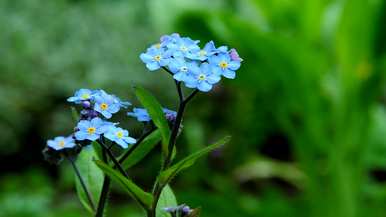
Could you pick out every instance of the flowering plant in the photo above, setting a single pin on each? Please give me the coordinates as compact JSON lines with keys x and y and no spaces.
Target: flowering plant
{"x":90,"y":144}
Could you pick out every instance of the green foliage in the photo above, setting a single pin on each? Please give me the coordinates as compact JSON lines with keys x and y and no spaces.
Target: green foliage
{"x":91,"y":175}
{"x":167,"y":199}
{"x":166,"y":175}
{"x":143,"y":149}
{"x":143,"y":198}
{"x":156,"y":113}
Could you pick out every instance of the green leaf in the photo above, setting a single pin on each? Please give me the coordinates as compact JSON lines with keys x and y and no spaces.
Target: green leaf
{"x":91,"y":175}
{"x":185,"y":163}
{"x":142,"y":197}
{"x":167,"y":199}
{"x":154,"y":109}
{"x":143,"y":149}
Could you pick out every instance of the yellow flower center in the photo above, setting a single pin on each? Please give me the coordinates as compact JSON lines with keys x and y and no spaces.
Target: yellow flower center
{"x":104,"y":106}
{"x":85,"y":96}
{"x":157,"y":58}
{"x":158,"y":45}
{"x":91,"y":130}
{"x":202,"y":53}
{"x":61,"y":143}
{"x":201,"y":77}
{"x":120,"y":134}
{"x":183,"y":48}
{"x":223,"y":64}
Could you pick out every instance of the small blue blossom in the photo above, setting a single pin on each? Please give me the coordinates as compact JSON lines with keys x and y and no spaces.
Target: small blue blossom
{"x":91,"y":130}
{"x":204,"y":53}
{"x":155,"y":58}
{"x":204,"y":79}
{"x":61,"y":142}
{"x":143,"y":116}
{"x":183,"y":47}
{"x":81,"y":95}
{"x":119,"y":136}
{"x":224,"y":65}
{"x":106,"y":104}
{"x":182,"y":69}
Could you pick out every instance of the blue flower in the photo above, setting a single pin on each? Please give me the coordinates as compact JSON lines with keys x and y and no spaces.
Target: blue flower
{"x":203,"y":54}
{"x":91,"y":130}
{"x":234,"y":55}
{"x":204,"y":79}
{"x":143,"y":116}
{"x":119,"y":136}
{"x":183,"y":46}
{"x":224,"y":65}
{"x":155,"y":58}
{"x":106,"y":104}
{"x":182,"y":69}
{"x":81,"y":95}
{"x":61,"y":142}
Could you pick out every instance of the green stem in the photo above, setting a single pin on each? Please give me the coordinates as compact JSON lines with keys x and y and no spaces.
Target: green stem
{"x":105,"y":190}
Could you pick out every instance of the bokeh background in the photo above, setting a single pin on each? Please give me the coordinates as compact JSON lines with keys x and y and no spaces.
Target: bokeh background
{"x":306,"y":111}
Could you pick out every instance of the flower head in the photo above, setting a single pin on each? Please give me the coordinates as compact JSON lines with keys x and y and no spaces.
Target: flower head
{"x":155,"y":58}
{"x":61,"y":142}
{"x":204,"y":79}
{"x":183,"y":47}
{"x":81,"y":95}
{"x":106,"y":104}
{"x":91,"y":129}
{"x":119,"y":136}
{"x":204,"y":53}
{"x":224,"y":65}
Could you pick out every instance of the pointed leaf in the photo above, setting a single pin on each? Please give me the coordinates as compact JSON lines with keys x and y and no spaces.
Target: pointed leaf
{"x":156,"y":113}
{"x":167,"y":199}
{"x":143,"y":149}
{"x":91,"y":175}
{"x":185,"y":163}
{"x":142,"y":197}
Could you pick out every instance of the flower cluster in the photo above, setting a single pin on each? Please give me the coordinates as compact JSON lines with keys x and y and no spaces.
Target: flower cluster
{"x":196,"y":67}
{"x":97,"y":107}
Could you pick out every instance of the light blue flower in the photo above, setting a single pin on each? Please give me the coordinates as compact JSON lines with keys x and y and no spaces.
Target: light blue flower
{"x":155,"y":58}
{"x":81,"y":95}
{"x":204,"y":79}
{"x":204,"y":53}
{"x":91,"y":130}
{"x":61,"y":142}
{"x":143,"y":116}
{"x":106,"y":104}
{"x":182,"y":69}
{"x":224,"y":65}
{"x":119,"y":136}
{"x":183,"y":47}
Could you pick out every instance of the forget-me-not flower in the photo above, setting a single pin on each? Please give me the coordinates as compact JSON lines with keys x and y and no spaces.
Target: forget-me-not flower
{"x":183,"y":46}
{"x":224,"y":65}
{"x":106,"y":104}
{"x":61,"y":142}
{"x":143,"y":116}
{"x":91,"y":129}
{"x":81,"y":95}
{"x":204,"y":79}
{"x":182,"y":69}
{"x":155,"y":58}
{"x":203,"y":54}
{"x":119,"y":136}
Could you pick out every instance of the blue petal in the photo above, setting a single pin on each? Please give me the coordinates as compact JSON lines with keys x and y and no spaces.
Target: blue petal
{"x":234,"y":65}
{"x":204,"y":86}
{"x":229,"y":74}
{"x":152,"y":66}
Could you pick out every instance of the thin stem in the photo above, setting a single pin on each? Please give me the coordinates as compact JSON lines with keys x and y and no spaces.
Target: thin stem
{"x":158,"y":187}
{"x":88,"y":195}
{"x":105,"y":190}
{"x":179,"y":90}
{"x":112,"y":157}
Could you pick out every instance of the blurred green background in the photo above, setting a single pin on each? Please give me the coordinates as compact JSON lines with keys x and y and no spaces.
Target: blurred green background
{"x":306,"y":111}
